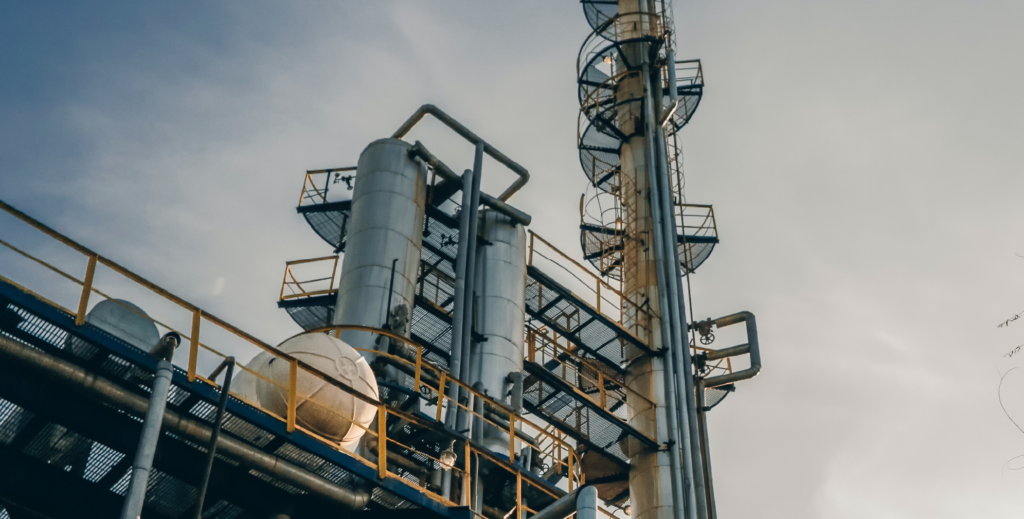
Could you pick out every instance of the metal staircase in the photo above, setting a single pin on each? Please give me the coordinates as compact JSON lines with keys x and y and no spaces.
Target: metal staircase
{"x":574,"y":368}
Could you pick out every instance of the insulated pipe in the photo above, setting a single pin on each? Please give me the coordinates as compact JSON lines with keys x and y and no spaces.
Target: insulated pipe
{"x":420,"y":151}
{"x":399,"y":460}
{"x":751,"y":347}
{"x":468,"y":297}
{"x":583,"y":502}
{"x":106,"y":391}
{"x":459,"y":312}
{"x":516,"y":379}
{"x":498,"y":420}
{"x":524,"y":176}
{"x":727,"y":352}
{"x":709,"y":488}
{"x":673,"y":89}
{"x":684,"y":372}
{"x":666,"y":322}
{"x":143,"y":464}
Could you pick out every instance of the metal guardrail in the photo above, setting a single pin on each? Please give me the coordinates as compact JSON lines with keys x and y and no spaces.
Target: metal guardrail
{"x":688,"y":73}
{"x":293,"y":288}
{"x":604,"y":298}
{"x":557,"y":450}
{"x":312,"y":193}
{"x":602,"y":387}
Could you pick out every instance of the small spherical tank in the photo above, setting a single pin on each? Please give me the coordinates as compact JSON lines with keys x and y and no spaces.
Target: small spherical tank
{"x":322,"y":407}
{"x":125,"y":321}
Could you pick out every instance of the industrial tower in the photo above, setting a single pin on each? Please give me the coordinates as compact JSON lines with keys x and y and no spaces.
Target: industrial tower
{"x":451,"y":362}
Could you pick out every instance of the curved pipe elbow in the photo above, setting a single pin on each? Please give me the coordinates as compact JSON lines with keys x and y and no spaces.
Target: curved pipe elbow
{"x":465,"y":133}
{"x":753,"y":347}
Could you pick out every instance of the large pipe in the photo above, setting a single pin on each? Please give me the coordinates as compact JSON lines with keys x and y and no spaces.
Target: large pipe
{"x":681,"y":350}
{"x":420,"y":151}
{"x":465,"y":133}
{"x":665,"y":325}
{"x":399,"y":460}
{"x":673,"y":89}
{"x":459,"y":312}
{"x":751,"y":347}
{"x":461,"y":420}
{"x":106,"y":391}
{"x":709,"y":488}
{"x":583,"y":502}
{"x":143,"y":464}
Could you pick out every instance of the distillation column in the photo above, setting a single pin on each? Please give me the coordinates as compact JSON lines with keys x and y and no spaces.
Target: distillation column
{"x":500,"y":313}
{"x":650,"y":474}
{"x":385,"y":237}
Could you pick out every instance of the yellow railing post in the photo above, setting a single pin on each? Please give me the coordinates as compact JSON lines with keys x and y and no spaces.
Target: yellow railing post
{"x":284,"y":281}
{"x":604,"y":396}
{"x":293,"y":381}
{"x":571,"y":473}
{"x":334,"y":271}
{"x":511,"y":436}
{"x":530,"y":262}
{"x":419,"y":368}
{"x":440,"y":394}
{"x":520,"y":513}
{"x":302,"y":195}
{"x":532,"y":346}
{"x":465,"y":479}
{"x":83,"y":302}
{"x":382,"y":443}
{"x":193,"y":349}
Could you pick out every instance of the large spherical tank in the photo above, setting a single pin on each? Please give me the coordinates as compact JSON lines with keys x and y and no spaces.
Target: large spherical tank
{"x":322,"y":408}
{"x":126,"y":322}
{"x":244,"y":382}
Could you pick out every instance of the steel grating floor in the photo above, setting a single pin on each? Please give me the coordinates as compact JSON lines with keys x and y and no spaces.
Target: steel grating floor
{"x":47,"y":430}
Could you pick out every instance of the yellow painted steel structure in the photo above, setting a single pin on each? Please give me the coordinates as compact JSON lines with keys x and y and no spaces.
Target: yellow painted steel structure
{"x":552,"y":444}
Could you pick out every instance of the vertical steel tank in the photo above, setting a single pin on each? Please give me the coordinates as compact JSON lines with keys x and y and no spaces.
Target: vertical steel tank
{"x":650,"y":475}
{"x":385,"y":236}
{"x":500,"y":312}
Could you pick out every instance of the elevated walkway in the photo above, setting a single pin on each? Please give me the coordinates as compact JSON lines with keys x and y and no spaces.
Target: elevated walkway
{"x":393,"y":463}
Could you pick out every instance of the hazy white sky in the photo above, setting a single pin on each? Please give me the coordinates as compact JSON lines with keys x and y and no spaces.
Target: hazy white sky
{"x":863,"y":159}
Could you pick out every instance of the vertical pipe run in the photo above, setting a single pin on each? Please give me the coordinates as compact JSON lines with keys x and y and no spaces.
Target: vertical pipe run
{"x":679,"y":346}
{"x":459,"y":312}
{"x":709,"y":490}
{"x":666,"y":322}
{"x":217,"y":421}
{"x":683,"y":361}
{"x":143,"y":464}
{"x":467,"y":322}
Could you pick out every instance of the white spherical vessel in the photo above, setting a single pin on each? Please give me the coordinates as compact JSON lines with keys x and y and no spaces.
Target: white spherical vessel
{"x":126,"y":322}
{"x":245,"y":384}
{"x":322,"y":407}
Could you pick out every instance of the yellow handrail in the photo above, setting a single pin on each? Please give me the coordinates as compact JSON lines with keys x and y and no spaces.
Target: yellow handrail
{"x":425,"y":374}
{"x":294,"y":289}
{"x":626,"y":308}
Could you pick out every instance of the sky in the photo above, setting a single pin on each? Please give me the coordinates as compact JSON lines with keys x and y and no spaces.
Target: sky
{"x":863,"y":159}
